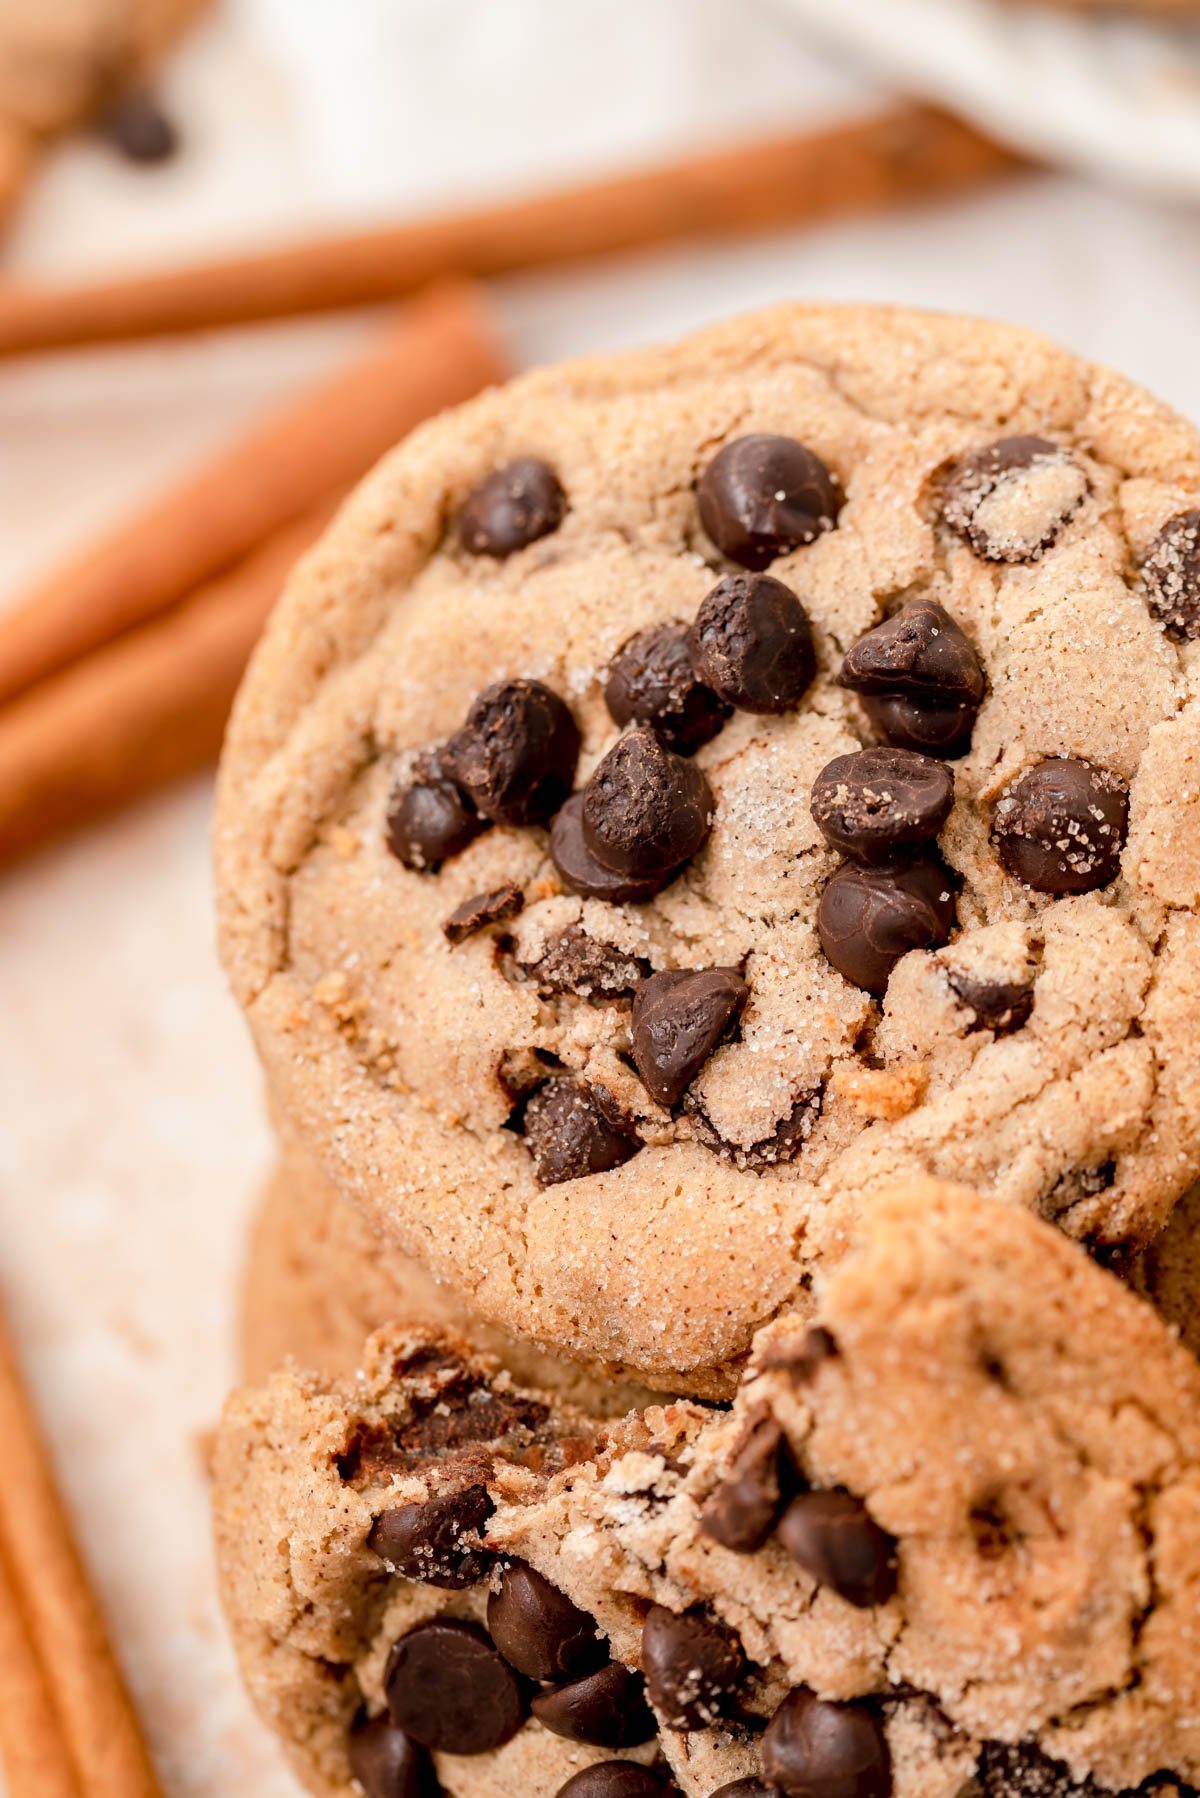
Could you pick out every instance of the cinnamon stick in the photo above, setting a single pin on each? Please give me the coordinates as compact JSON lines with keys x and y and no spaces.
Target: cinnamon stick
{"x":145,"y":709}
{"x":906,"y":153}
{"x":439,"y":350}
{"x":98,"y":1732}
{"x":33,"y":1754}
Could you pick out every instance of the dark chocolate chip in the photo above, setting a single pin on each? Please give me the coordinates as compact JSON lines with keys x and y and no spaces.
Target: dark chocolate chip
{"x":764,"y":495}
{"x":869,"y":917}
{"x":571,"y":1130}
{"x":743,"y":1510}
{"x":482,"y":909}
{"x":429,"y":820}
{"x":1019,"y":1770}
{"x":513,"y":507}
{"x":1076,"y":1184}
{"x":920,"y":679}
{"x":582,"y":872}
{"x":538,"y":1630}
{"x":573,"y":961}
{"x":834,"y":1536}
{"x":997,"y":1005}
{"x":515,"y":756}
{"x":804,"y":1355}
{"x":1061,"y":827}
{"x":679,"y":1017}
{"x":752,"y":644}
{"x":615,"y":1779}
{"x":1011,"y":499}
{"x":457,"y":1412}
{"x":136,"y":125}
{"x":646,"y":810}
{"x":606,"y":1709}
{"x":694,"y":1669}
{"x":879,"y":802}
{"x":928,"y":728}
{"x":1171,"y":576}
{"x":746,"y":1788}
{"x":387,"y":1763}
{"x":449,"y":1688}
{"x":783,"y":1144}
{"x":918,"y":651}
{"x":651,"y":681}
{"x":437,"y":1539}
{"x":811,"y":1749}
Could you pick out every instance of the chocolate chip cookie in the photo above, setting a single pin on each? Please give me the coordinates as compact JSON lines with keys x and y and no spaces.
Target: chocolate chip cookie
{"x":65,"y":62}
{"x":945,"y":1544}
{"x":319,"y":1280}
{"x":686,"y":789}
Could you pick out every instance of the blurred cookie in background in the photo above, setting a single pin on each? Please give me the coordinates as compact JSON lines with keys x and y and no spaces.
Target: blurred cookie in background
{"x":65,"y":64}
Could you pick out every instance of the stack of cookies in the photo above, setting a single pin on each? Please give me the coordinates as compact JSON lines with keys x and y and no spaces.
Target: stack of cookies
{"x":709,"y":852}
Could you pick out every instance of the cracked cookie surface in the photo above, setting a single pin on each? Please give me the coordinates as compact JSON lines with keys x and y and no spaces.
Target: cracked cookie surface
{"x":955,"y":1515}
{"x":319,"y":1280}
{"x":482,"y":1099}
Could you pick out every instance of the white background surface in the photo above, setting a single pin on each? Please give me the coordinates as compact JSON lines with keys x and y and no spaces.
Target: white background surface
{"x":131,"y":1134}
{"x":1116,"y":95}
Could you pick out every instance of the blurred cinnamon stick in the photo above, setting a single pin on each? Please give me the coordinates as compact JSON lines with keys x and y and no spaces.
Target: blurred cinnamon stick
{"x":33,"y":1755}
{"x":146,"y":709}
{"x":440,"y":349}
{"x":907,"y":153}
{"x":90,"y":1737}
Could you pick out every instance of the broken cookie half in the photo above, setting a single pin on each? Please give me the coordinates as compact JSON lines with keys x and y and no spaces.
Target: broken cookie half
{"x":944,"y":1544}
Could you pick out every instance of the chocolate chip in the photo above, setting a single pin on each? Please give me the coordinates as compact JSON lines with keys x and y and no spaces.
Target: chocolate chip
{"x":436,"y":1539}
{"x":801,"y":1357}
{"x":743,"y":1510}
{"x":811,"y":1749}
{"x":614,"y":1779}
{"x":582,"y":872}
{"x":997,"y":1005}
{"x":1060,"y":828}
{"x":573,"y":961}
{"x":513,"y":507}
{"x":1076,"y":1184}
{"x":515,"y":756}
{"x":136,"y":125}
{"x":1019,"y":1770}
{"x":783,"y":1144}
{"x":538,"y":1630}
{"x":679,"y":1017}
{"x":572,"y":1130}
{"x":746,"y":1788}
{"x":919,"y":678}
{"x":869,"y":917}
{"x":878,"y":802}
{"x":694,"y":1668}
{"x":646,"y":810}
{"x":482,"y":909}
{"x":834,"y":1536}
{"x":763,"y":495}
{"x":1011,"y":499}
{"x":932,"y":729}
{"x":450,"y":1689}
{"x":651,"y":681}
{"x":606,"y":1709}
{"x":387,"y":1764}
{"x":429,"y":820}
{"x":1171,"y":576}
{"x":753,"y":645}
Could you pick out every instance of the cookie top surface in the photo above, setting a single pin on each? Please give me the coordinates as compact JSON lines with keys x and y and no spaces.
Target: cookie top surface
{"x":949,"y":1524}
{"x":945,"y":539}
